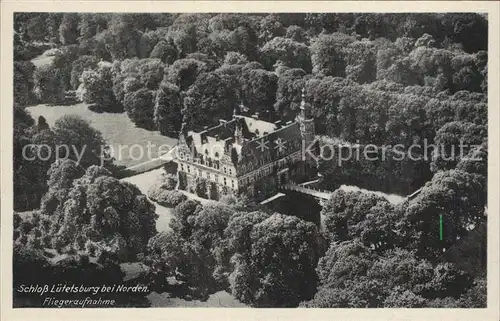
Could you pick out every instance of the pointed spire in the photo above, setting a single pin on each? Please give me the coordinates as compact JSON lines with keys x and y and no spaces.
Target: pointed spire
{"x":303,"y":102}
{"x":183,"y":130}
{"x":238,"y":132}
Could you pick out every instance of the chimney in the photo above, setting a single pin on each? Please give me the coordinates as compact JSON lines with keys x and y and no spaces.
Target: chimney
{"x":222,"y":121}
{"x":205,"y":127}
{"x":277,"y":123}
{"x":255,"y":116}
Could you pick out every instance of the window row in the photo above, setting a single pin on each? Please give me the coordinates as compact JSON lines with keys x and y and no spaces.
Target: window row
{"x":206,"y":174}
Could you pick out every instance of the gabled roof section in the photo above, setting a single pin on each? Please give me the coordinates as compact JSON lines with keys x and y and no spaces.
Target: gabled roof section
{"x":263,"y":141}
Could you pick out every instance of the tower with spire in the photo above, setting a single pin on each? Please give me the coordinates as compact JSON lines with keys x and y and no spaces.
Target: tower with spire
{"x":306,"y":123}
{"x":238,"y":133}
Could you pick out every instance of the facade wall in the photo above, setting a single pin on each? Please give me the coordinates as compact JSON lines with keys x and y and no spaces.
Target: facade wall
{"x":226,"y":175}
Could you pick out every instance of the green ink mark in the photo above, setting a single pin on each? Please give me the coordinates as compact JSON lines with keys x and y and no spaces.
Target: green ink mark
{"x":441,"y":227}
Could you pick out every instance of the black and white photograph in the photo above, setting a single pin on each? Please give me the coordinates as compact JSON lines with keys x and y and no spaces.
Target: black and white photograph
{"x":250,"y":160}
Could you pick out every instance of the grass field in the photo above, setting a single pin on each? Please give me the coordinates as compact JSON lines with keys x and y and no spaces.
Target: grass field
{"x":42,"y":60}
{"x":117,"y":129}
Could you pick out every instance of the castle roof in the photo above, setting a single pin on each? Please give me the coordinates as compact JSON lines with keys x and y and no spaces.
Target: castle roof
{"x":261,"y":140}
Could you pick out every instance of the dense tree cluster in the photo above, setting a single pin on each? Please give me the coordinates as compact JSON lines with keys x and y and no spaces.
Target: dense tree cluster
{"x":402,"y":54}
{"x":370,"y":237}
{"x":217,"y":246}
{"x":36,"y":146}
{"x":412,"y":79}
{"x":90,"y":212}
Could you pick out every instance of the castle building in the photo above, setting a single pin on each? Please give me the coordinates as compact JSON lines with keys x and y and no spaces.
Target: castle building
{"x":232,"y":156}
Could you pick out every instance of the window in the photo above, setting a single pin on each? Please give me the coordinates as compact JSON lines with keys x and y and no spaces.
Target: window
{"x":230,"y":171}
{"x":189,"y":169}
{"x":232,"y":183}
{"x":182,"y":167}
{"x":225,"y":181}
{"x":225,"y":170}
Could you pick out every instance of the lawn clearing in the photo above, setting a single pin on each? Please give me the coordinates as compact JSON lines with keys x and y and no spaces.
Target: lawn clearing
{"x":42,"y":60}
{"x":125,"y":139}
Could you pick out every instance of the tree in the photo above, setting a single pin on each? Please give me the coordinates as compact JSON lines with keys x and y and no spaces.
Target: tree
{"x":165,"y":51}
{"x":96,"y":88}
{"x":239,"y":228}
{"x":351,"y":275}
{"x":121,"y":38}
{"x":270,"y":27}
{"x":476,"y":162}
{"x":211,"y":97}
{"x":231,"y":32}
{"x":467,"y":29}
{"x":235,"y":58}
{"x":88,"y":25}
{"x":454,"y":140}
{"x":259,"y":90}
{"x":151,"y":72}
{"x":147,"y":42}
{"x":293,"y":54}
{"x":288,"y":95}
{"x":99,"y":212}
{"x":184,"y":72}
{"x":201,"y":187}
{"x":140,"y":107}
{"x":170,"y":198}
{"x":23,"y":82}
{"x":458,"y":196}
{"x":182,"y":212}
{"x":30,"y":169}
{"x":327,"y":54}
{"x":296,"y":33}
{"x":48,"y":84}
{"x":79,"y":66}
{"x":69,"y":28}
{"x":167,"y":109}
{"x":284,"y":276}
{"x":85,"y":144}
{"x":324,"y":97}
{"x":476,"y":297}
{"x":36,"y":26}
{"x":184,"y":37}
{"x":361,"y":60}
{"x":63,"y":62}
